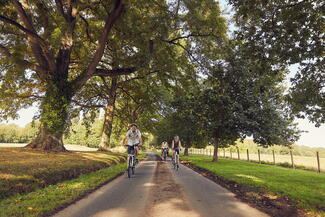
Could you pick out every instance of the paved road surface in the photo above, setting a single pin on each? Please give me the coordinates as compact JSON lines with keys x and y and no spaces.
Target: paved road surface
{"x":158,"y":191}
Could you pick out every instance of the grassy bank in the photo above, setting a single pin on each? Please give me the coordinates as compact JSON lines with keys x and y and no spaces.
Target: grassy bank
{"x":306,"y":189}
{"x":23,"y":171}
{"x":44,"y":201}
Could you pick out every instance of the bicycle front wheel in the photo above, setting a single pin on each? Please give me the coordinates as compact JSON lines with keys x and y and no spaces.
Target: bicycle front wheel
{"x":133,"y":170}
{"x":130,"y":167}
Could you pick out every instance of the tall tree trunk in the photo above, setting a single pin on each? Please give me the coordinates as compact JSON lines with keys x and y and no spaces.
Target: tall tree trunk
{"x":186,"y":151}
{"x":215,"y":151}
{"x":105,"y":143}
{"x":186,"y":145}
{"x":55,"y":110}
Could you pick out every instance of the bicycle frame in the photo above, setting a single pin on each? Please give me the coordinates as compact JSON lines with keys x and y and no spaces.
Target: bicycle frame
{"x":131,"y":163}
{"x":176,"y":160}
{"x":165,"y":153}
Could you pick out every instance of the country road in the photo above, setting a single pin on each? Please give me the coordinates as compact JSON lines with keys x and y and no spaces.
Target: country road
{"x":157,"y":190}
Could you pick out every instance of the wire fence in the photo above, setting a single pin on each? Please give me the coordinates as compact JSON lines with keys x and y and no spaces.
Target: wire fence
{"x":294,"y":161}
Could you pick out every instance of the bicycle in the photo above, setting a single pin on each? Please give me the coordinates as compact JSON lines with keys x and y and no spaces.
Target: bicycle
{"x":165,"y":153}
{"x":176,"y":160}
{"x":131,"y":161}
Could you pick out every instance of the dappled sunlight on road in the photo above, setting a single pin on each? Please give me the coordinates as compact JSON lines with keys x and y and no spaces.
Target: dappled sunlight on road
{"x":173,"y":207}
{"x":166,"y":198}
{"x":116,"y":212}
{"x":149,"y":184}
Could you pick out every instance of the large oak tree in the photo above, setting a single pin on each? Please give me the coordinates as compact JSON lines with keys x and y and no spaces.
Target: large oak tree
{"x":49,"y":50}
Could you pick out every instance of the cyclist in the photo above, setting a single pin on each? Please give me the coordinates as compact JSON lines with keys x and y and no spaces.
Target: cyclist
{"x":164,"y":145}
{"x":134,"y":139}
{"x":176,"y":145}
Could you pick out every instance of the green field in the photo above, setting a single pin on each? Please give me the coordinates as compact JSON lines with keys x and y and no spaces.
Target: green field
{"x":306,"y":189}
{"x":306,"y":162}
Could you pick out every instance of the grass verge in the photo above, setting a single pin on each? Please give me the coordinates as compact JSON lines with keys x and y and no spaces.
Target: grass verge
{"x":305,"y":189}
{"x":43,"y":202}
{"x":23,"y":170}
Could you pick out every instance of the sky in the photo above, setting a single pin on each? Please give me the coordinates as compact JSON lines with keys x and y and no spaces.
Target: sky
{"x":315,"y":137}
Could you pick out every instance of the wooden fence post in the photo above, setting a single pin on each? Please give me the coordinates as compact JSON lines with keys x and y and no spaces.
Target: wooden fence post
{"x":224,"y":152}
{"x":259,"y":156}
{"x":273,"y":157}
{"x":247,"y":155}
{"x":238,"y":153}
{"x":293,"y":166}
{"x":230,"y":153}
{"x":318,"y":163}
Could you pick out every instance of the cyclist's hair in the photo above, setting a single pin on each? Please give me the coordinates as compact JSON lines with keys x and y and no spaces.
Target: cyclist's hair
{"x":133,"y":124}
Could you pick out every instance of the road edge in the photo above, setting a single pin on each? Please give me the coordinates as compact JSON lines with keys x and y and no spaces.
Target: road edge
{"x":275,"y":206}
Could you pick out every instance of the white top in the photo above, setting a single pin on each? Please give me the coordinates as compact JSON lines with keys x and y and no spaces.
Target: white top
{"x":133,"y":137}
{"x":164,"y":145}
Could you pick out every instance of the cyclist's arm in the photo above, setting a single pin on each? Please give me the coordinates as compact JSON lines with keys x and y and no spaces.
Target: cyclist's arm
{"x":140,"y":140}
{"x":173,"y":144}
{"x":180,"y":144}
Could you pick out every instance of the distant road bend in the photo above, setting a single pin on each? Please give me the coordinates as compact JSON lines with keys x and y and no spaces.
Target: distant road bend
{"x":157,"y":190}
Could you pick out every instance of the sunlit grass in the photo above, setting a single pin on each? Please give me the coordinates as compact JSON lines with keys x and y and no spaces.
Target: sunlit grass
{"x":44,"y":201}
{"x":306,"y":188}
{"x":23,"y":170}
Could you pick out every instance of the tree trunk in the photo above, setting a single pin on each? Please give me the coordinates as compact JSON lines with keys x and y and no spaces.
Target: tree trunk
{"x":54,"y":116}
{"x":215,"y":151}
{"x":105,"y":143}
{"x":186,"y":151}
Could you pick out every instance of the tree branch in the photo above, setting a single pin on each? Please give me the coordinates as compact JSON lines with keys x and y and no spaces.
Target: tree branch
{"x":87,"y":106}
{"x":105,"y":85}
{"x":111,"y":19}
{"x":59,"y":6}
{"x":191,"y":35}
{"x":109,"y":22}
{"x":184,"y":48}
{"x":87,"y":28}
{"x":45,"y":58}
{"x":127,"y":93}
{"x":114,"y":72}
{"x":23,"y":63}
{"x":27,"y":31}
{"x":296,"y":4}
{"x":137,"y":77}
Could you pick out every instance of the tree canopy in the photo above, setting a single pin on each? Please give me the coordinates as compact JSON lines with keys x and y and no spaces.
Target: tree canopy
{"x":168,"y":65}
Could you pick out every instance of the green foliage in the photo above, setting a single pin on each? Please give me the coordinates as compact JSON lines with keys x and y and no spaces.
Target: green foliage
{"x":11,"y":133}
{"x":270,"y":179}
{"x":80,"y":134}
{"x":289,"y":32}
{"x":180,"y":119}
{"x":243,"y":97}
